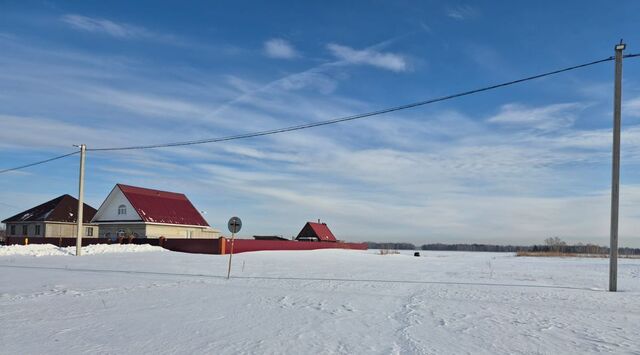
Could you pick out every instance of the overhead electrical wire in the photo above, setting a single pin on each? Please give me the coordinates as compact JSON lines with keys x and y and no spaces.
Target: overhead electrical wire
{"x":38,"y":162}
{"x":349,"y":118}
{"x":327,"y":122}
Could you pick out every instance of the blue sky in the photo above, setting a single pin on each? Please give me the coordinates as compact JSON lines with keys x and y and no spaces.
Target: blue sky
{"x":514,"y":165}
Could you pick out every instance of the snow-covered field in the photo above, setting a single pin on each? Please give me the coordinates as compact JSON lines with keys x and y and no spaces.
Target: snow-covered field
{"x":140,"y":300}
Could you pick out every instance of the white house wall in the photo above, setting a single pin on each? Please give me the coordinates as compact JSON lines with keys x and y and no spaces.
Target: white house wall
{"x":109,"y":209}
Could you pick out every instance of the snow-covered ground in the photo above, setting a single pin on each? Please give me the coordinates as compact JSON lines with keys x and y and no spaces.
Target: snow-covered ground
{"x":309,"y":302}
{"x":48,"y":249}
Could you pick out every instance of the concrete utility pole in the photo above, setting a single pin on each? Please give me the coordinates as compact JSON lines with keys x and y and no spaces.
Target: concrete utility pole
{"x":83,"y":149}
{"x":615,"y":173}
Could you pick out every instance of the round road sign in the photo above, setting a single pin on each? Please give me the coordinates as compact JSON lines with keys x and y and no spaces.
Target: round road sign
{"x":234,"y":225}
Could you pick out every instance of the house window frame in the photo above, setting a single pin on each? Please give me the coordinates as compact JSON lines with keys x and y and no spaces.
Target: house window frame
{"x":37,"y":229}
{"x":88,"y":231}
{"x":12,"y":229}
{"x":122,"y":210}
{"x":25,"y":229}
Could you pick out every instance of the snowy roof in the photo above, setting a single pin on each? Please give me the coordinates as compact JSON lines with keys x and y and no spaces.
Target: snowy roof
{"x":157,"y":206}
{"x":317,"y":230}
{"x":61,"y":209}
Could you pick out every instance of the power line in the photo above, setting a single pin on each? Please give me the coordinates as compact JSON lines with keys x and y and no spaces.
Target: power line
{"x":350,"y":118}
{"x":37,"y":163}
{"x":328,"y":122}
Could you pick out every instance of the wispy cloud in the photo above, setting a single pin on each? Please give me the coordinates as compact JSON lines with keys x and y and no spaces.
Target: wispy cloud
{"x":632,"y":107}
{"x":98,"y":25}
{"x":473,"y":179}
{"x":384,"y":60}
{"x":548,"y":117}
{"x":280,"y":48}
{"x":462,"y":12}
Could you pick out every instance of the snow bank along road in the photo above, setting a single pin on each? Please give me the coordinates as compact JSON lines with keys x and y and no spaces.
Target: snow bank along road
{"x":299,"y":302}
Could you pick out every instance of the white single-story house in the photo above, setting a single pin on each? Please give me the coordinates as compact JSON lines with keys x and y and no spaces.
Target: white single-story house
{"x":138,"y":212}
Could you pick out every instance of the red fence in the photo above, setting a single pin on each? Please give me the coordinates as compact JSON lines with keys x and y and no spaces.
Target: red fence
{"x":199,"y":246}
{"x":245,"y":245}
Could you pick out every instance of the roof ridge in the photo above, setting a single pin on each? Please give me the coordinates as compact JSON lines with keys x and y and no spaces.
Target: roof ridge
{"x":148,"y":189}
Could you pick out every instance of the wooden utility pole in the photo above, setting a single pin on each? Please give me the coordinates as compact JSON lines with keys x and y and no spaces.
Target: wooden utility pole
{"x":615,"y":173}
{"x":79,"y":215}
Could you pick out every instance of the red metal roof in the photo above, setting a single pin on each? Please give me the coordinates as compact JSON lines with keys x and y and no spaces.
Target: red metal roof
{"x":162,"y":206}
{"x":318,"y":230}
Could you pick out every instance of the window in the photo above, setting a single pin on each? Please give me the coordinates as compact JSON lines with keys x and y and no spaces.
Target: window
{"x":25,"y":230}
{"x":89,"y":232}
{"x":37,"y":229}
{"x":122,"y":209}
{"x":13,"y":230}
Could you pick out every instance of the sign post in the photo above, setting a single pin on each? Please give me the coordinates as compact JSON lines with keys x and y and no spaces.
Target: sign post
{"x":234,"y":227}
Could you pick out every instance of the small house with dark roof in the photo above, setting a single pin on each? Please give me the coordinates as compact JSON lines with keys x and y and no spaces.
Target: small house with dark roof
{"x":138,"y":212}
{"x":52,"y":219}
{"x":316,"y":232}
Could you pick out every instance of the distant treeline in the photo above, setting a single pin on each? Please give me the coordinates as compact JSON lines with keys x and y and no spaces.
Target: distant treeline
{"x":575,"y":249}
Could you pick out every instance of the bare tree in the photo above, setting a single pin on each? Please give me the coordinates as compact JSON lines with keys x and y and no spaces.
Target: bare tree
{"x":555,"y":243}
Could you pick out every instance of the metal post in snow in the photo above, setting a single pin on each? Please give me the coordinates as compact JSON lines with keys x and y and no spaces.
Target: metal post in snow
{"x":234,"y":225}
{"x":233,"y":236}
{"x":615,"y":173}
{"x":79,"y":215}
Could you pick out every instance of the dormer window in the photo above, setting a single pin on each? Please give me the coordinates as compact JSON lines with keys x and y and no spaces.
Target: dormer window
{"x":122,"y":209}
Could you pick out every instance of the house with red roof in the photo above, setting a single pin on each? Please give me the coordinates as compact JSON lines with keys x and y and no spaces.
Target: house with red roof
{"x":52,"y":219}
{"x":316,"y":232}
{"x":130,"y":211}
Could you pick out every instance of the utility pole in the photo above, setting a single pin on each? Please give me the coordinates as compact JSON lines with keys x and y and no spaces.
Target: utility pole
{"x":615,"y":173}
{"x":83,"y":149}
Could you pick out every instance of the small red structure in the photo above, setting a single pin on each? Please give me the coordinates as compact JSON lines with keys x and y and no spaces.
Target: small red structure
{"x":316,"y":232}
{"x":312,"y":236}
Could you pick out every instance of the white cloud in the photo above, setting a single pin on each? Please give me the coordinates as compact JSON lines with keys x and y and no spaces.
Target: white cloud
{"x":631,"y":107}
{"x":462,"y":12}
{"x":545,"y":118}
{"x":147,"y":104}
{"x":98,"y":25}
{"x":35,"y":132}
{"x":449,"y":176}
{"x":389,"y":61}
{"x":280,"y":48}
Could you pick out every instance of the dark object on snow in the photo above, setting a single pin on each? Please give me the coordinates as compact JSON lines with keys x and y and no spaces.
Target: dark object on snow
{"x":416,"y":253}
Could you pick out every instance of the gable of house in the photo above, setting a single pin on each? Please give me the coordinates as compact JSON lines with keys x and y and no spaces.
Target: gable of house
{"x":318,"y":231}
{"x":117,"y":208}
